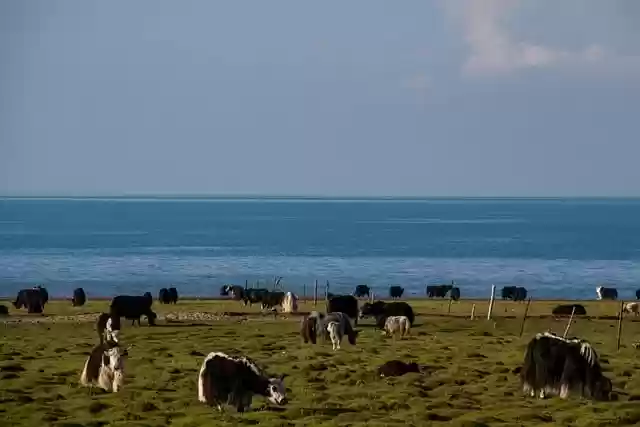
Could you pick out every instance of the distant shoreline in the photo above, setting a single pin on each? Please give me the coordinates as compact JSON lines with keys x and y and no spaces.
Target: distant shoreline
{"x":328,"y":198}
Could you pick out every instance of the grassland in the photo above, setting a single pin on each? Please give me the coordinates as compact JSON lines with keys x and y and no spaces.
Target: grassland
{"x":468,"y":379}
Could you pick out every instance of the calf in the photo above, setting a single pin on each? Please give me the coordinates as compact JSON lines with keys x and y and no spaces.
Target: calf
{"x":105,"y":367}
{"x":394,"y":325}
{"x":224,"y":379}
{"x":397,"y":368}
{"x":606,"y":293}
{"x":454,"y":293}
{"x":132,"y":308}
{"x":558,"y":366}
{"x":361,"y":291}
{"x":380,"y":309}
{"x":396,"y":291}
{"x":632,"y":307}
{"x":79,"y":297}
{"x":31,"y":299}
{"x":568,"y":309}
{"x":347,"y":304}
{"x":337,"y":325}
{"x":290,"y":303}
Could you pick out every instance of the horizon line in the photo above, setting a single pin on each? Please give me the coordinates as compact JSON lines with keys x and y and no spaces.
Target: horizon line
{"x":240,"y":196}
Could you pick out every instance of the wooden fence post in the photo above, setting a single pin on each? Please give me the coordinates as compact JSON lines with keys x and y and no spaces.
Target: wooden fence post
{"x":566,"y":331}
{"x":373,"y":295}
{"x":326,"y":291}
{"x":473,"y":312}
{"x":493,"y":295}
{"x":620,"y":316}
{"x":449,"y":309}
{"x":304,"y":292}
{"x":246,"y":285}
{"x":315,"y":294}
{"x":524,"y":317}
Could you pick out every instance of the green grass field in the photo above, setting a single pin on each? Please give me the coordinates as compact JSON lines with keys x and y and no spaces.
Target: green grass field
{"x":468,"y":379}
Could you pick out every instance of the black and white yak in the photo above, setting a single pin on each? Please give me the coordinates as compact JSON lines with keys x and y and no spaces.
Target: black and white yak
{"x":108,"y":329}
{"x":32,"y":299}
{"x":606,"y":293}
{"x":361,"y":291}
{"x":380,"y":310}
{"x":132,"y":307}
{"x":290,"y":303}
{"x":558,"y":366}
{"x":224,"y":379}
{"x":79,"y":297}
{"x":105,"y":367}
{"x":396,"y":291}
{"x":454,"y":293}
{"x":337,"y":325}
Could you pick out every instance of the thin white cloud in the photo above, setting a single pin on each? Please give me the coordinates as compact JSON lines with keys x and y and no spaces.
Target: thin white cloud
{"x":495,"y":50}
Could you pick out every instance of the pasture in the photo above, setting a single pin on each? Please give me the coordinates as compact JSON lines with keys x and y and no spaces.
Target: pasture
{"x":468,"y":379}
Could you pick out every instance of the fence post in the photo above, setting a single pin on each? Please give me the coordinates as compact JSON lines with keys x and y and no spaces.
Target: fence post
{"x":373,"y":295}
{"x":315,"y":294}
{"x":304,"y":292}
{"x":473,"y":312}
{"x":524,"y":317}
{"x":493,"y":295}
{"x":566,"y":331}
{"x":620,"y":316}
{"x":449,"y":309}
{"x":326,"y":291}
{"x":246,"y":284}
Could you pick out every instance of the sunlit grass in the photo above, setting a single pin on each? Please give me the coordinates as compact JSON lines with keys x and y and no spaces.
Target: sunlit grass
{"x":467,"y":379}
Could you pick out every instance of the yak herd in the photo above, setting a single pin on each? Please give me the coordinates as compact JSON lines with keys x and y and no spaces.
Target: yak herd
{"x":552,"y":366}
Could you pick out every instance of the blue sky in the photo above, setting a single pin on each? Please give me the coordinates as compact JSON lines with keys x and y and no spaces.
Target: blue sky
{"x":366,"y":97}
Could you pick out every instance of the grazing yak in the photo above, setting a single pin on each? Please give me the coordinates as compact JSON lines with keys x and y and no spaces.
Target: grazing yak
{"x":168,"y":296}
{"x":397,"y":368}
{"x":310,"y":327}
{"x":396,"y":291}
{"x":397,"y":325}
{"x":362,"y":291}
{"x":558,"y":366}
{"x":108,"y":329}
{"x":632,"y":307}
{"x":173,"y":295}
{"x":606,"y":293}
{"x":224,"y":379}
{"x":132,"y":307}
{"x":253,"y":296}
{"x":515,"y":293}
{"x":381,"y":310}
{"x":439,"y":291}
{"x":567,"y":309}
{"x":271,"y":299}
{"x":79,"y":297}
{"x":32,"y":299}
{"x":347,"y":304}
{"x":105,"y":367}
{"x":337,"y":325}
{"x":290,"y":303}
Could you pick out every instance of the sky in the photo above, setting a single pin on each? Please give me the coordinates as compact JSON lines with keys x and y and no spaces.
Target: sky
{"x":365,"y":97}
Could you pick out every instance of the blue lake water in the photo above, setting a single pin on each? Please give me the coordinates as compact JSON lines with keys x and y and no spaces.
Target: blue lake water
{"x":557,"y":248}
